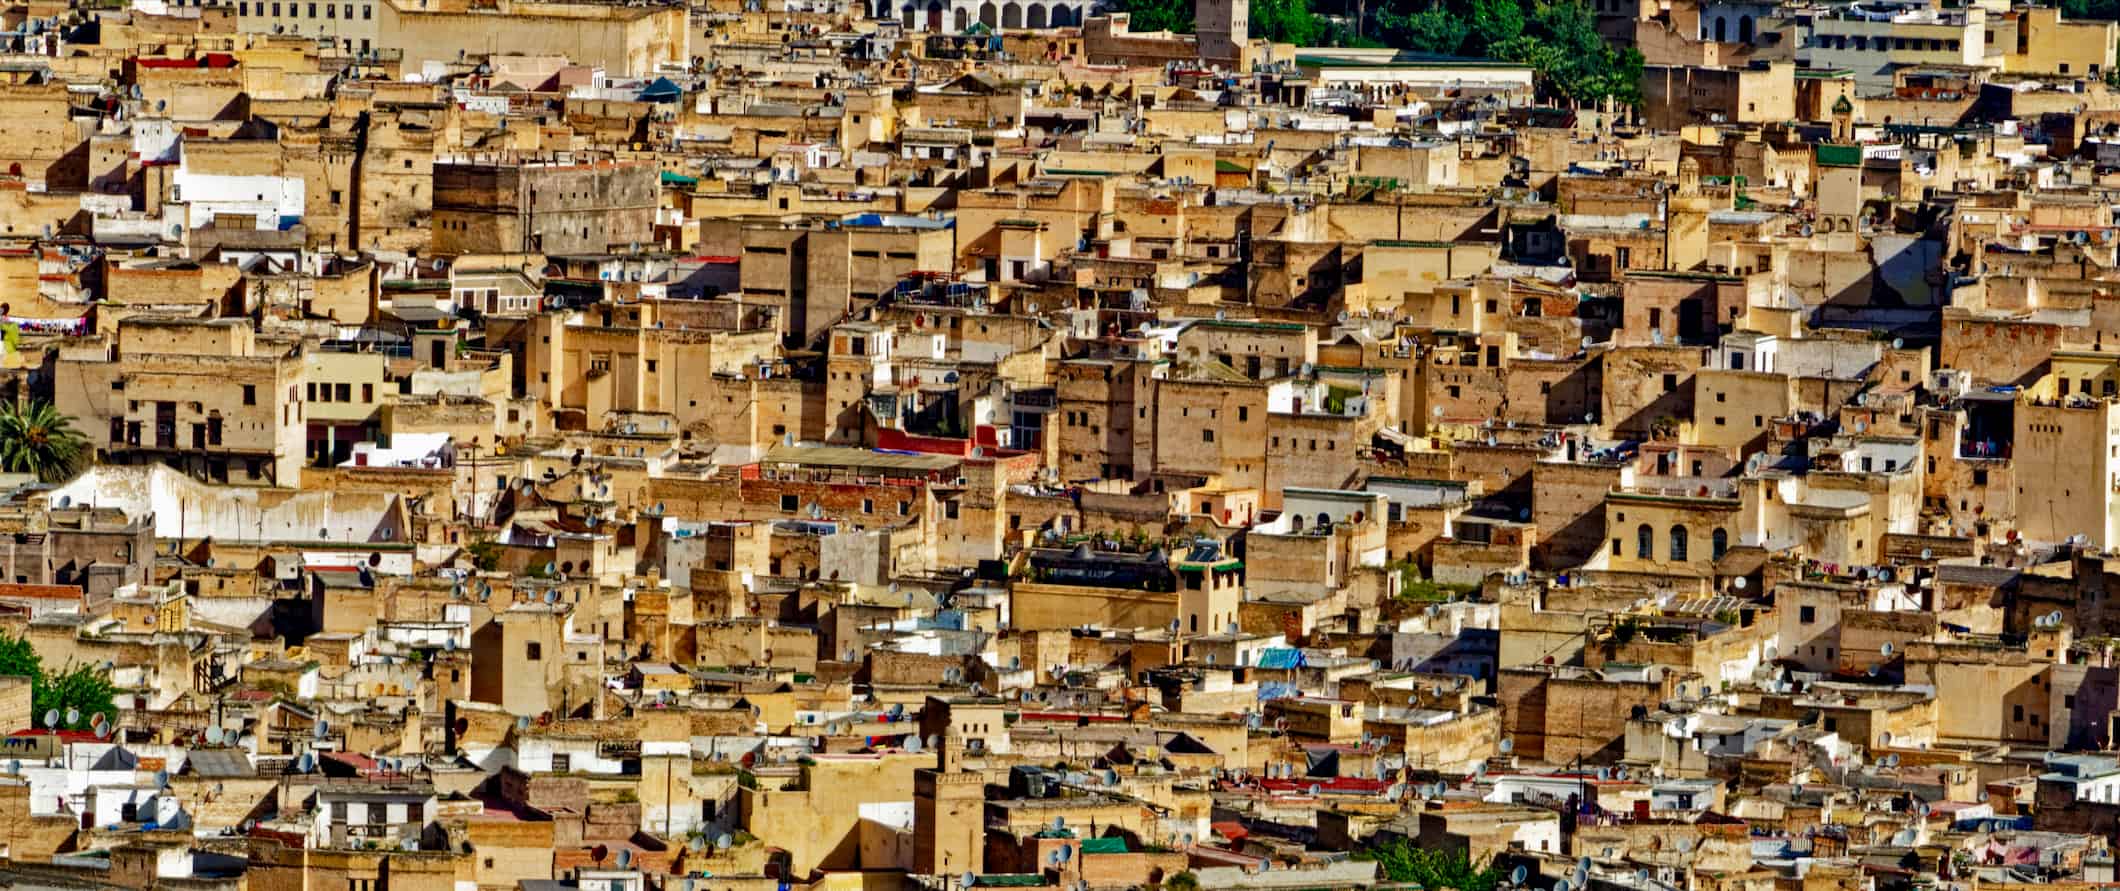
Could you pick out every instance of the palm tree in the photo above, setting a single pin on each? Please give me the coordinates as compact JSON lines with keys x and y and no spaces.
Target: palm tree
{"x":40,"y":440}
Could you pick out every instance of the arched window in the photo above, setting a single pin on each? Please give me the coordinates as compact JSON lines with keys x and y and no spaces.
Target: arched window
{"x":1744,"y":29}
{"x":1678,"y":542}
{"x":1719,"y":543}
{"x":1324,"y":522}
{"x":1645,"y":542}
{"x":1722,"y":30}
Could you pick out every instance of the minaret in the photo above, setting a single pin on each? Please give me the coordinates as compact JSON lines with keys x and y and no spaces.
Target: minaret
{"x":1224,"y":26}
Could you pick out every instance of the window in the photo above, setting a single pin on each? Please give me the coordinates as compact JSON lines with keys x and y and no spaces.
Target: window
{"x":787,"y":502}
{"x":250,"y":394}
{"x":1645,"y":542}
{"x":562,"y":763}
{"x":1807,"y":614}
{"x":1678,"y":542}
{"x":534,"y":651}
{"x":344,"y":392}
{"x":1207,"y":435}
{"x":1718,"y":543}
{"x":367,"y":392}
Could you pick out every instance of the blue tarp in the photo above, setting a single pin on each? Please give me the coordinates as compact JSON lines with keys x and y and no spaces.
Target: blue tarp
{"x":1281,"y":658}
{"x":662,"y":90}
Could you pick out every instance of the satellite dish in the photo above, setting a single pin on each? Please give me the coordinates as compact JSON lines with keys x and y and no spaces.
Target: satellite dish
{"x":51,"y":719}
{"x":1738,"y":583}
{"x":1885,"y":650}
{"x":1506,"y":745}
{"x":723,"y":841}
{"x":625,"y":859}
{"x":102,"y":731}
{"x":213,"y":736}
{"x":73,"y":715}
{"x":968,"y":879}
{"x":912,"y":744}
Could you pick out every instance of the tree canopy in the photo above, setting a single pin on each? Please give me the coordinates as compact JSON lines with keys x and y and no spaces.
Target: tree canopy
{"x":1400,"y":860}
{"x":38,"y":439}
{"x":1158,"y":15}
{"x":1557,"y":38}
{"x":81,"y":690}
{"x":1285,"y":21}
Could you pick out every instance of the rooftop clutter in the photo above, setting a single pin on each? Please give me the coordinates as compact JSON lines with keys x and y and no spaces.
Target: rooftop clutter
{"x":743,"y":446}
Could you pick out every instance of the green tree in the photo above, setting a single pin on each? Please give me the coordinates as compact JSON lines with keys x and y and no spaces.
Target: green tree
{"x":1433,"y":30}
{"x":79,"y":688}
{"x":1493,"y":23}
{"x":1400,"y":860}
{"x":485,"y":554}
{"x":82,"y":689}
{"x":40,"y":440}
{"x":1175,"y":16}
{"x":1184,"y":881}
{"x":1284,"y":21}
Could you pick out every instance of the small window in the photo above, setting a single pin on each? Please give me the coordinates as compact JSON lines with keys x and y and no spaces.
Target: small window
{"x":788,"y":502}
{"x":250,"y":394}
{"x":534,"y":651}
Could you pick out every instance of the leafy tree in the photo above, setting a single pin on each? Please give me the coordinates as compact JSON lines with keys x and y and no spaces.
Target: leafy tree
{"x":1284,"y":21}
{"x":18,"y":659}
{"x":1434,"y":30}
{"x":1493,"y":23}
{"x":40,"y":440}
{"x":1557,"y":39}
{"x":82,"y":688}
{"x":2107,"y":10}
{"x":1400,"y":860}
{"x":1175,"y":16}
{"x":485,"y":554}
{"x":1184,"y":881}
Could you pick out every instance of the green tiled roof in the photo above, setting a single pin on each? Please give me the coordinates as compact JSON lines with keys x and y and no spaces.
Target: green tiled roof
{"x":1104,"y":846}
{"x":1839,"y":155}
{"x":1009,"y":880}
